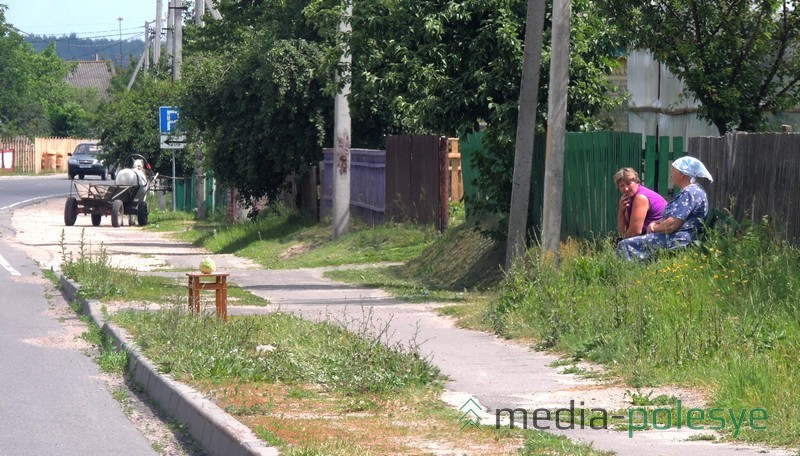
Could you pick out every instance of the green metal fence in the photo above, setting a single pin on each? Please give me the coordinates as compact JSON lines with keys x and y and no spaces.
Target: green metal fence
{"x":216,"y":196}
{"x":590,"y":197}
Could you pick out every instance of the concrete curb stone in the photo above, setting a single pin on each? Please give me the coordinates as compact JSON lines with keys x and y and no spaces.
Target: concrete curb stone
{"x":216,"y":431}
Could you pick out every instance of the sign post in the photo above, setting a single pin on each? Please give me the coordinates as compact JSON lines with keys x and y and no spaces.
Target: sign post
{"x":171,"y":137}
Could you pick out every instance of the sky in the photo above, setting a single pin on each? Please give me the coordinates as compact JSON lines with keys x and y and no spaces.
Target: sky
{"x":85,"y":18}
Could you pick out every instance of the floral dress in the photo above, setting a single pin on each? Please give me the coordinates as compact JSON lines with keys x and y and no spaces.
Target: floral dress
{"x":691,"y":206}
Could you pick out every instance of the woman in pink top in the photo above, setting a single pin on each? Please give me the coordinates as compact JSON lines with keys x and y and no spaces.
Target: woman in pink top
{"x":638,"y":205}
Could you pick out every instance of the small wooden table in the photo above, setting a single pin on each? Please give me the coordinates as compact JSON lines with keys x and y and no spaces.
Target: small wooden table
{"x":219,"y":285}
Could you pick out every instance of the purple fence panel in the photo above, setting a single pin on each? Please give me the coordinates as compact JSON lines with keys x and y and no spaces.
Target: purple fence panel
{"x":367,"y":184}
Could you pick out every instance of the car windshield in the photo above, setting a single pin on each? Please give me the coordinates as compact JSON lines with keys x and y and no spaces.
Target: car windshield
{"x":87,"y":149}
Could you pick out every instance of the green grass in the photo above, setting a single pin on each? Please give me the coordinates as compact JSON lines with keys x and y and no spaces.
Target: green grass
{"x":725,"y":319}
{"x":281,"y":239}
{"x":100,"y":281}
{"x":304,"y":352}
{"x":458,"y":266}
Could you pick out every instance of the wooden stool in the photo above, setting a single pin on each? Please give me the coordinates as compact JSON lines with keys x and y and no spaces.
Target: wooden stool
{"x":220,"y":285}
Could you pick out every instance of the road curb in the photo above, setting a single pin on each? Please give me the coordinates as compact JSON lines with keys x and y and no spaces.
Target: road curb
{"x":216,"y":431}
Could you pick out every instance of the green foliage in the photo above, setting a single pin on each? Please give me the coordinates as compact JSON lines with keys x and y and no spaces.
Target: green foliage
{"x":725,"y":317}
{"x":33,"y":84}
{"x":277,"y":348}
{"x":129,"y":125}
{"x":279,"y":238}
{"x":737,"y":58}
{"x":260,"y":110}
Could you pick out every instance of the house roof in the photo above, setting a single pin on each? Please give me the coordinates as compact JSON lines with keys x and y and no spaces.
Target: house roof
{"x":92,"y":73}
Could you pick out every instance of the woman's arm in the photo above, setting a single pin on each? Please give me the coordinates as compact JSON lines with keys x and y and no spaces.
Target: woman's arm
{"x":622,"y":215}
{"x":666,"y":226}
{"x":636,"y":224}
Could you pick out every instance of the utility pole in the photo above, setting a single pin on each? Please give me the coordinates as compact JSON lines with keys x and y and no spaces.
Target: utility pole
{"x":170,"y":27}
{"x":526,"y":130}
{"x":157,"y":38}
{"x":143,"y":59}
{"x":119,"y":19}
{"x":341,"y":134}
{"x":556,"y":127}
{"x":199,"y":10}
{"x":177,"y":35}
{"x":146,"y":58}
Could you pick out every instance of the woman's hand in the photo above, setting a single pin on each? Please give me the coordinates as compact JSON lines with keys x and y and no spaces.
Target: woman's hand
{"x":651,"y":228}
{"x":624,"y":203}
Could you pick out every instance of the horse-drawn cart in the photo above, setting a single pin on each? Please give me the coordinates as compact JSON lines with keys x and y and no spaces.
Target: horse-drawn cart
{"x":105,"y":199}
{"x":115,"y":200}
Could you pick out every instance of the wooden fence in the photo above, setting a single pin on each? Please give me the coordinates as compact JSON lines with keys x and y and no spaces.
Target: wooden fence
{"x":456,"y":192}
{"x":417,"y":179}
{"x":367,"y":185}
{"x":21,"y":152}
{"x":41,"y":153}
{"x":755,"y":175}
{"x":590,"y":197}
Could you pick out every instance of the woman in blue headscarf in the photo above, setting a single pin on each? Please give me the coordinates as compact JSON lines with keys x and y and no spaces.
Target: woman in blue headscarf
{"x":683,"y":216}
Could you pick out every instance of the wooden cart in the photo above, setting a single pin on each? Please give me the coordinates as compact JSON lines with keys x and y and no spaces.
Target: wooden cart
{"x":98,"y":200}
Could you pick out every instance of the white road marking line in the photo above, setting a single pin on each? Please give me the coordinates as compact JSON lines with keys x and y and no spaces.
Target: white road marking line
{"x":32,"y":199}
{"x":8,"y":267}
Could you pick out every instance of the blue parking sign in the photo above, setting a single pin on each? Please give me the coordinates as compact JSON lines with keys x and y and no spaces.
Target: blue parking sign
{"x":168,"y":117}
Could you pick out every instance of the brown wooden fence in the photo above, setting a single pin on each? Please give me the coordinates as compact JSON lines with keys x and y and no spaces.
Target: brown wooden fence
{"x":755,"y":175}
{"x":39,"y":154}
{"x":21,"y":152}
{"x":417,"y":179}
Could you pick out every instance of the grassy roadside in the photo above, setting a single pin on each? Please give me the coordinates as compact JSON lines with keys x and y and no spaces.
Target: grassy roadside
{"x":100,"y":281}
{"x":281,"y":239}
{"x":724,"y":319}
{"x":315,"y":388}
{"x":309,"y":388}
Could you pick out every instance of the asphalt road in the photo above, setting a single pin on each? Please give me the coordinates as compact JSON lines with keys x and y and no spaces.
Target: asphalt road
{"x":52,"y":399}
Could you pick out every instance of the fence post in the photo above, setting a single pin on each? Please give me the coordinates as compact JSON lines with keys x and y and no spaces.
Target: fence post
{"x":663,"y":165}
{"x":650,"y":162}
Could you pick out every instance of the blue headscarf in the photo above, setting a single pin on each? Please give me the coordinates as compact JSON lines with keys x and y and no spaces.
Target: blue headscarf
{"x":692,"y":167}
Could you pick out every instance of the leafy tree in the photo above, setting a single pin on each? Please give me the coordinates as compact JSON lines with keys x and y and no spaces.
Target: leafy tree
{"x":129,"y":124}
{"x":33,"y":84}
{"x":260,"y":110}
{"x":738,"y":57}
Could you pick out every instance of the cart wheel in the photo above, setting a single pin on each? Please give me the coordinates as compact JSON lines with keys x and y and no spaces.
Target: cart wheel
{"x":96,"y":219}
{"x":70,"y":211}
{"x":116,"y":213}
{"x":141,"y":213}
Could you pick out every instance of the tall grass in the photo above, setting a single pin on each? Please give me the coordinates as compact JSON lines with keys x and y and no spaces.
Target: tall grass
{"x":725,"y":317}
{"x":276,"y":348}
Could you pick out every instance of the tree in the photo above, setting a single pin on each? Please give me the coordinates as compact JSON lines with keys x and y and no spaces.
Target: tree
{"x":129,"y":124}
{"x":33,"y":84}
{"x":738,"y":58}
{"x":260,"y":110}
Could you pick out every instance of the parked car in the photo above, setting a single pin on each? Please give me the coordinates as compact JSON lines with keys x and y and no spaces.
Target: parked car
{"x":85,"y":161}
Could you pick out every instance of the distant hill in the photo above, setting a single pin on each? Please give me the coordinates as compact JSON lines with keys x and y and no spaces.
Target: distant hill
{"x":73,"y":47}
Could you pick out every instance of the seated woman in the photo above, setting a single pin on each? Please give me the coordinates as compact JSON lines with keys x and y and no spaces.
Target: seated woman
{"x":638,"y":207}
{"x":683,"y":216}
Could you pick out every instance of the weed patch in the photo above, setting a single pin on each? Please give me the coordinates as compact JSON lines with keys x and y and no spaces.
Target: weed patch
{"x":724,"y":318}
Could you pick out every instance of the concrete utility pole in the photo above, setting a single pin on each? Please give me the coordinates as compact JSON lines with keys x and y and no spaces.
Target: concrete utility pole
{"x":177,"y":35}
{"x":170,"y":27}
{"x":199,"y":10}
{"x":146,"y":58}
{"x":341,"y":135}
{"x":119,"y":19}
{"x":556,"y":127}
{"x":526,"y":130}
{"x":214,"y":13}
{"x":157,"y":38}
{"x":143,"y":59}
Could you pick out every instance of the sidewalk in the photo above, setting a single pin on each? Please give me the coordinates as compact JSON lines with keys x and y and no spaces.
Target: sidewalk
{"x":497,"y":373}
